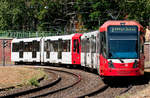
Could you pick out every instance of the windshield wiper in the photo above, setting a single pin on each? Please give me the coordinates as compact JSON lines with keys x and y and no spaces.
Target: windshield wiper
{"x":121,"y":60}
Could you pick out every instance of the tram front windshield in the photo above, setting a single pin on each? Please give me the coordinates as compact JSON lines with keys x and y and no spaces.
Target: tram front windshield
{"x":123,"y":45}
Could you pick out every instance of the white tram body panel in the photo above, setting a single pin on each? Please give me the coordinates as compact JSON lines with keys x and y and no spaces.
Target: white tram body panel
{"x":23,"y":51}
{"x":88,"y":49}
{"x":57,"y":49}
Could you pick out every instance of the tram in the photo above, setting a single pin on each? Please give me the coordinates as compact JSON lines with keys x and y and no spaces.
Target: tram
{"x":116,"y":49}
{"x":121,"y":49}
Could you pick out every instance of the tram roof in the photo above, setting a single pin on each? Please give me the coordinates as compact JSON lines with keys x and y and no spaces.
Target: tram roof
{"x":26,"y":39}
{"x":118,"y":22}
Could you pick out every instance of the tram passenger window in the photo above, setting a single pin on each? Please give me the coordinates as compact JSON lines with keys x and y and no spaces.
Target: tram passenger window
{"x":35,"y":46}
{"x":93,"y":45}
{"x":51,"y":47}
{"x":38,"y":46}
{"x":83,"y":45}
{"x":87,"y":45}
{"x":103,"y":44}
{"x":25,"y":47}
{"x":15,"y":47}
{"x":47,"y":46}
{"x":55,"y":45}
{"x":60,"y":45}
{"x":28,"y":47}
{"x":21,"y":46}
{"x":66,"y":46}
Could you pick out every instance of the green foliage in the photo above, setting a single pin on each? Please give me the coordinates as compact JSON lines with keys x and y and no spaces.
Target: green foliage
{"x":4,"y":15}
{"x":46,"y":15}
{"x":33,"y":82}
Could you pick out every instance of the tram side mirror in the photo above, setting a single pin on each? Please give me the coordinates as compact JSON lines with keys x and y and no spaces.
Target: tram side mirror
{"x":110,"y":54}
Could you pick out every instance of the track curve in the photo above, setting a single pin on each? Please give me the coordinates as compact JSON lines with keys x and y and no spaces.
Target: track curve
{"x":71,"y":83}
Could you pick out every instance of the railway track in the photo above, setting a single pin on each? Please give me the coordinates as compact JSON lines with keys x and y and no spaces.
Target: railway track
{"x":64,"y":83}
{"x":75,"y":83}
{"x":124,"y":85}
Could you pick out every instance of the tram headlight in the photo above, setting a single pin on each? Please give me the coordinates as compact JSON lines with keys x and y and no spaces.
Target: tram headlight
{"x":110,"y":64}
{"x":135,"y":65}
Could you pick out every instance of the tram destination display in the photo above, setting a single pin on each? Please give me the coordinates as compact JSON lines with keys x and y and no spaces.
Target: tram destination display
{"x":122,"y":29}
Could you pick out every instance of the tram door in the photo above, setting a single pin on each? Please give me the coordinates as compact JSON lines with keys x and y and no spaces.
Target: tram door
{"x":76,"y":51}
{"x":21,"y":49}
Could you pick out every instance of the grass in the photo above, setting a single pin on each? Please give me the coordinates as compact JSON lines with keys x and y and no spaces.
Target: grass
{"x":34,"y":80}
{"x":126,"y":95}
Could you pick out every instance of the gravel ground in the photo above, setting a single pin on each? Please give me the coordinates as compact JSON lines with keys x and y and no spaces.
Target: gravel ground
{"x":50,"y":78}
{"x":66,"y":79}
{"x":91,"y":82}
{"x":116,"y":88}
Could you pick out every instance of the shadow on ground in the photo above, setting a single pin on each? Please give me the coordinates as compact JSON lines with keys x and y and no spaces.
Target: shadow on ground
{"x":127,"y":81}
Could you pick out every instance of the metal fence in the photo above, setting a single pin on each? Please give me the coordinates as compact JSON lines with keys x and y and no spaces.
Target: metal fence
{"x":28,"y":34}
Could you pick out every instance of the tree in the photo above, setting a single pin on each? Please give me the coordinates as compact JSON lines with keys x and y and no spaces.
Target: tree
{"x":4,"y":15}
{"x":64,"y":15}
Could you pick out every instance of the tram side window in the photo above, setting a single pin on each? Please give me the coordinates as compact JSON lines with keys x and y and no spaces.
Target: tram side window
{"x":66,"y":46}
{"x":25,"y":47}
{"x":38,"y":46}
{"x":28,"y":46}
{"x":35,"y":46}
{"x":21,"y":46}
{"x":15,"y":47}
{"x":47,"y":46}
{"x":60,"y":45}
{"x":83,"y":45}
{"x":103,"y":44}
{"x":93,"y":45}
{"x":88,"y":45}
{"x":55,"y":46}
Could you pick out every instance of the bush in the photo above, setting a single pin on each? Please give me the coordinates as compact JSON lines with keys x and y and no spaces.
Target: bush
{"x":34,"y":82}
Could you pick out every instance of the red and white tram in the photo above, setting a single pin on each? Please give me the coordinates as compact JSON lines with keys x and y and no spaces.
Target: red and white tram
{"x":54,"y":49}
{"x":121,"y":49}
{"x":115,"y":50}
